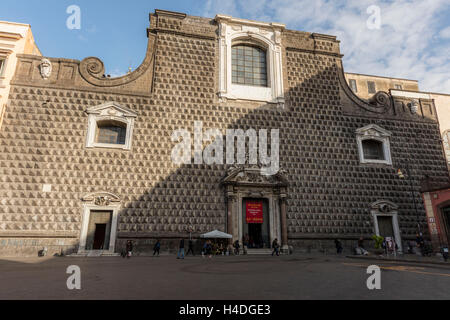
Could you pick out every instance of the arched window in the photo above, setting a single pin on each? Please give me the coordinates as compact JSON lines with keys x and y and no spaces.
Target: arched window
{"x":111,"y":132}
{"x":373,"y":149}
{"x":249,"y":65}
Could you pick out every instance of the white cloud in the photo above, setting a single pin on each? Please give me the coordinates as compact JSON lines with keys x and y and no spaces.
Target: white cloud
{"x":117,"y":73}
{"x":445,"y":33}
{"x":410,"y":43}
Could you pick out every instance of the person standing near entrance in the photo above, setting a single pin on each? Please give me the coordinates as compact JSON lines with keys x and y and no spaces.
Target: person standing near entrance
{"x":129,"y":248}
{"x":420,"y":243}
{"x":181,"y":249}
{"x":245,"y":243}
{"x":190,"y":248}
{"x":361,"y":248}
{"x":157,"y":247}
{"x":275,"y":247}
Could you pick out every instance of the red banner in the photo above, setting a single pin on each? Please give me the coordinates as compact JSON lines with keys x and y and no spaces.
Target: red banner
{"x":254,"y":212}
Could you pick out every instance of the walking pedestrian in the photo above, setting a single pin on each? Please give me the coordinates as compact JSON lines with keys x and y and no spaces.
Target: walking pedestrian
{"x":275,"y":247}
{"x":245,"y":243}
{"x":205,"y":248}
{"x":190,"y":248}
{"x":236,"y":247}
{"x":338,"y":244}
{"x":156,"y":247}
{"x":181,"y":250}
{"x":209,"y":248}
{"x":420,"y":243}
{"x":129,"y":248}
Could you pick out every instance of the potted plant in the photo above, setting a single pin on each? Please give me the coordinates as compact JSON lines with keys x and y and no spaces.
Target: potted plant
{"x":378,"y":244}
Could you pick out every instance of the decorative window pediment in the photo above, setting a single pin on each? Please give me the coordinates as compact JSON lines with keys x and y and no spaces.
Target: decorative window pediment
{"x":100,"y":198}
{"x":251,"y":175}
{"x":374,"y":145}
{"x":267,"y":36}
{"x":110,"y":125}
{"x":384,"y":206}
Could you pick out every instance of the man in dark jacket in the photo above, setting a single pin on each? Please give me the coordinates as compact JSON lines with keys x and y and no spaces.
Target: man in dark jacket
{"x":181,"y":250}
{"x":338,"y":244}
{"x":236,"y":247}
{"x":420,"y":243}
{"x":157,"y":247}
{"x":190,"y":248}
{"x":275,"y":247}
{"x":129,"y":248}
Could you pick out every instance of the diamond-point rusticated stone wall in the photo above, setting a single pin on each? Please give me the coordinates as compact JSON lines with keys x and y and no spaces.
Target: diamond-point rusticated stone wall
{"x":43,"y":138}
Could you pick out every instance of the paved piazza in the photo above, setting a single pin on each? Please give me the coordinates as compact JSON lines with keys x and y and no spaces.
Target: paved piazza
{"x":241,"y":277}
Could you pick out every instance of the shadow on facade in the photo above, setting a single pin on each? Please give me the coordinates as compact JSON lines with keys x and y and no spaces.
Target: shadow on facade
{"x":329,"y":191}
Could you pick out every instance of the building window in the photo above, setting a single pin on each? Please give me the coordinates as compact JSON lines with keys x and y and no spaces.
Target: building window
{"x":110,"y":125}
{"x":353,"y":85}
{"x":374,"y":145}
{"x":373,"y":149}
{"x":249,"y":65}
{"x":371,"y":87}
{"x":111,"y":132}
{"x":398,"y":86}
{"x":250,"y":61}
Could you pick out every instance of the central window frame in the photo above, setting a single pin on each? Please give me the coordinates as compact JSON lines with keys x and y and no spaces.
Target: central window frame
{"x":374,"y":132}
{"x":260,"y":49}
{"x":233,"y":31}
{"x":114,"y":113}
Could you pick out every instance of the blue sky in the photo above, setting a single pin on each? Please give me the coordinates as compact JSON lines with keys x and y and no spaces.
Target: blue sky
{"x":413,"y":40}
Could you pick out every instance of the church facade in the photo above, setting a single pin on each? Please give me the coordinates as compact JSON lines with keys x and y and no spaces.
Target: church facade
{"x":86,"y":161}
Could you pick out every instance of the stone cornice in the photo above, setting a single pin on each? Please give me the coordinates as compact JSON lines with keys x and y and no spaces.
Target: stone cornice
{"x":231,"y":20}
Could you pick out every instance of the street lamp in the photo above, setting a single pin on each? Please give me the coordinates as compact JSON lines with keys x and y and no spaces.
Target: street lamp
{"x":402,"y":176}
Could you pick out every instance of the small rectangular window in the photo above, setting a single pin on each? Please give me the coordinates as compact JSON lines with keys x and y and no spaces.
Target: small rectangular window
{"x":371,"y":87}
{"x":398,"y":86}
{"x":353,"y":85}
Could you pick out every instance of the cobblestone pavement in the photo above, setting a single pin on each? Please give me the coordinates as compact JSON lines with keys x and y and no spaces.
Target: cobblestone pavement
{"x":241,"y":277}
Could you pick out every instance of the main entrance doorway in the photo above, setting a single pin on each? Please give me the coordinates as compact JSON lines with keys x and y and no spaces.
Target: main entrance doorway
{"x":255,"y":219}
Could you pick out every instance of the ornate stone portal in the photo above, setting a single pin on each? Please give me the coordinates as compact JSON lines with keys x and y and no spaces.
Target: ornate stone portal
{"x":247,"y":182}
{"x":96,"y":202}
{"x":387,"y":209}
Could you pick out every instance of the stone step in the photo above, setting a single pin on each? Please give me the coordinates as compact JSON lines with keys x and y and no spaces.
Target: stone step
{"x":265,"y":251}
{"x":95,"y":253}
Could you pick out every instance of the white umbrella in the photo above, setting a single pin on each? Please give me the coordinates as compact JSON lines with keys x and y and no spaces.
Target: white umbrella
{"x":216,"y":234}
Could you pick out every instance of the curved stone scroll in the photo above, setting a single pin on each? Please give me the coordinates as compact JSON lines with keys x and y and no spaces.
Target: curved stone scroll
{"x":380,"y":103}
{"x":92,"y":69}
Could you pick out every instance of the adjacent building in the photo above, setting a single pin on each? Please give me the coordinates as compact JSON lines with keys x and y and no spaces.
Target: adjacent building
{"x":436,"y":194}
{"x":365,"y":86}
{"x":88,"y":162}
{"x":15,"y":38}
